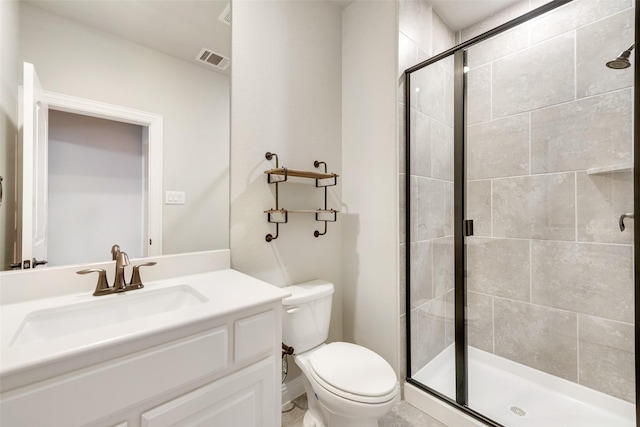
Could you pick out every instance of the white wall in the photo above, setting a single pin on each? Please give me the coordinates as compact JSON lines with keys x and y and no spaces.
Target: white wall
{"x":286,"y":92}
{"x":370,"y":183}
{"x":8,"y":124}
{"x":96,"y":189}
{"x":322,"y":85}
{"x":74,"y":59}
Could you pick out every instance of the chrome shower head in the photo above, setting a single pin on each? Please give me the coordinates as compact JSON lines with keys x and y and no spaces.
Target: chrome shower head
{"x":622,"y":61}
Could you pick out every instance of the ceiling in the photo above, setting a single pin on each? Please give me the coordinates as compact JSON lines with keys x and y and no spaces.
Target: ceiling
{"x":459,"y":14}
{"x":180,"y":28}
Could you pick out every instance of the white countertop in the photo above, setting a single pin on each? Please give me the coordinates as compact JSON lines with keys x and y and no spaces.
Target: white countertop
{"x":226,"y":291}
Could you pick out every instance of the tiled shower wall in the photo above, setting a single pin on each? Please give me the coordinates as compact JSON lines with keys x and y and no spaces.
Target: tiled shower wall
{"x":549,"y":274}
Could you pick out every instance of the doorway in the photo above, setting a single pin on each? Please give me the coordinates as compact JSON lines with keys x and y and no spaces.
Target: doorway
{"x":96,"y":184}
{"x":32,"y":225}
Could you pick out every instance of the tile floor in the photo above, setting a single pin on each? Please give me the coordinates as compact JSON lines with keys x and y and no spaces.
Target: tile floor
{"x":402,"y":415}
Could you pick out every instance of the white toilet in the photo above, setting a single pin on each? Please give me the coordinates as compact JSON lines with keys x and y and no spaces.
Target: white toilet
{"x":347,"y":385}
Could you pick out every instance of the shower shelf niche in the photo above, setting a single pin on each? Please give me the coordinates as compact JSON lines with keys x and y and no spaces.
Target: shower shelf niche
{"x":279,"y":215}
{"x":623,"y":167}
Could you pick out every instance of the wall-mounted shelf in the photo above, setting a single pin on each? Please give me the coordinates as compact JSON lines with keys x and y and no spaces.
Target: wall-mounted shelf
{"x":623,"y":167}
{"x":279,"y":215}
{"x":301,"y":174}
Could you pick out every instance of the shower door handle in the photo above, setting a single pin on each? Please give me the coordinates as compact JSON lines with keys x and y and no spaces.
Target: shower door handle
{"x":622,"y":217}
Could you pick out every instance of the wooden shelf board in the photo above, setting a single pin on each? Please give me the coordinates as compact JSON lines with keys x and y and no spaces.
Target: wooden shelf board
{"x":320,"y":211}
{"x":301,"y":174}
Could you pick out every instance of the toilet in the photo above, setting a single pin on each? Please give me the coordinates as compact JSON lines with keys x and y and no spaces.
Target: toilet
{"x":346,"y":384}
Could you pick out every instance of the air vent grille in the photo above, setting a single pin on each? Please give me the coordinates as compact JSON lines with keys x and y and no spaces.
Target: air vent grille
{"x":213,"y":59}
{"x":225,"y":16}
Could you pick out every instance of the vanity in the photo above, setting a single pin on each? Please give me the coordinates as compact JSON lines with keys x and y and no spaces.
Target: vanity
{"x":199,"y":344}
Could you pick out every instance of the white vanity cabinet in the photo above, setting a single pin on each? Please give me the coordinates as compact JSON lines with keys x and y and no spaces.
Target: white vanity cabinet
{"x":244,"y":398}
{"x":222,"y":372}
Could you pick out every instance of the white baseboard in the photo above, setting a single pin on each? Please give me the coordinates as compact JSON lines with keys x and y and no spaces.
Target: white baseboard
{"x":292,"y":389}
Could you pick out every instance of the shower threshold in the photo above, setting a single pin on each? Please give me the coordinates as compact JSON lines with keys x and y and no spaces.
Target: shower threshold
{"x":516,"y":395}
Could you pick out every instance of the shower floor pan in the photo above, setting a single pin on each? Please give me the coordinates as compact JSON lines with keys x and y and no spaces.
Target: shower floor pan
{"x":519,"y":396}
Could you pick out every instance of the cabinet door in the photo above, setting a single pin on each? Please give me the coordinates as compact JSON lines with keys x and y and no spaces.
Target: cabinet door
{"x":245,"y":398}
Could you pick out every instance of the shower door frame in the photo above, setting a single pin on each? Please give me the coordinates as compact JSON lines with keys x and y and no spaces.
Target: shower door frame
{"x":460,"y":293}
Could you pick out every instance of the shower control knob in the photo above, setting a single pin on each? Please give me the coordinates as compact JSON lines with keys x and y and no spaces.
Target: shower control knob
{"x":622,"y":217}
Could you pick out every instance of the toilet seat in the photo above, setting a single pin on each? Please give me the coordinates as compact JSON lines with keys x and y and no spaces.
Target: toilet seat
{"x":353,"y":372}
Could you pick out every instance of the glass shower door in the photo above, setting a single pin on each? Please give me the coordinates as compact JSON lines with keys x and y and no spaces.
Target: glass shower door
{"x":549,"y":271}
{"x":430,"y":245}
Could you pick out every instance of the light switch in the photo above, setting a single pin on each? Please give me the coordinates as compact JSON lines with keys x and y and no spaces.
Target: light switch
{"x":174,"y":198}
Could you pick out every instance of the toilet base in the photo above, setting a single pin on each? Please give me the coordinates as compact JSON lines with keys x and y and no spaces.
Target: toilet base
{"x":328,"y":410}
{"x":310,"y":420}
{"x":317,"y":416}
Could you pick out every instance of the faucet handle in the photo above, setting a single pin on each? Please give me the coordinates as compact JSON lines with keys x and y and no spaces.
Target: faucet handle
{"x":115,"y":250}
{"x":102,"y":286}
{"x":136,"y":282}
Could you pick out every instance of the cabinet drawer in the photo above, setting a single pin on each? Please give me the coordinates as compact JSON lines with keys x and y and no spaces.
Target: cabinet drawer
{"x":255,"y":335}
{"x":244,"y":399}
{"x":92,"y":393}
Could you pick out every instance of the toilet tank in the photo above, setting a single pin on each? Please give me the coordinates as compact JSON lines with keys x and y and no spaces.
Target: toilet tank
{"x":306,"y":315}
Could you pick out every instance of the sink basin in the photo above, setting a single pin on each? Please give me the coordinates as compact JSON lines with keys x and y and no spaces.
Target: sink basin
{"x":56,"y":322}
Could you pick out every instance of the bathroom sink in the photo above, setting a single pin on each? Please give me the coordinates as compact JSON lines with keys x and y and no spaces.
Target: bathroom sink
{"x":47,"y":324}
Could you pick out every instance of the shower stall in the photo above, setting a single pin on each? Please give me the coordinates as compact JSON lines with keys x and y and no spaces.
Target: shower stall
{"x":520,"y":245}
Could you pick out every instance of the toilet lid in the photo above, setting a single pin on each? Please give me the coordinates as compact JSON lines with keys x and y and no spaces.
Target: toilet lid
{"x":353,"y":369}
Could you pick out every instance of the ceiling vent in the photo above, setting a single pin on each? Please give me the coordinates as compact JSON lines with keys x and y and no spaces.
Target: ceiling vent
{"x":225,"y":16}
{"x":213,"y":59}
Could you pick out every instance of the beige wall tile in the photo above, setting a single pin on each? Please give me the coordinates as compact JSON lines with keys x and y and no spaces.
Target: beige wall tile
{"x":536,"y":336}
{"x":598,"y":43}
{"x":407,"y":53}
{"x":595,"y":279}
{"x":427,"y":332}
{"x":402,"y":153}
{"x":449,"y":206}
{"x":480,"y":321}
{"x":573,"y":15}
{"x":479,"y":94}
{"x":415,"y":22}
{"x":498,"y":148}
{"x":537,"y":77}
{"x":431,"y":221}
{"x":414,"y":206}
{"x":588,"y":133}
{"x":443,"y":37}
{"x":428,"y":84}
{"x":421,"y":140}
{"x":498,"y":267}
{"x":443,"y":266}
{"x":421,"y":280}
{"x":602,"y":199}
{"x":607,"y":357}
{"x":535,"y":207}
{"x":442,"y":151}
{"x":478,"y":204}
{"x":499,"y":46}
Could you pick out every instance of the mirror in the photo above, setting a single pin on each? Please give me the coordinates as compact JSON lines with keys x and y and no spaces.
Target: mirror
{"x":169,"y":59}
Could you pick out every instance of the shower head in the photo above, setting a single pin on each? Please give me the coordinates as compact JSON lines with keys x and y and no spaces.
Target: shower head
{"x":622,"y":61}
